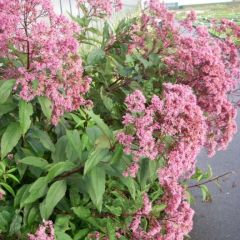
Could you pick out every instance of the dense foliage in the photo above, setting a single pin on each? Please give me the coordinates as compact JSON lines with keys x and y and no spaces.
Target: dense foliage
{"x":100,"y":130}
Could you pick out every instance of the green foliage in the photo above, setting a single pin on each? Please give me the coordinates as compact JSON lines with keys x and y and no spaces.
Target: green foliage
{"x":72,"y":173}
{"x":55,"y":193}
{"x":10,"y":138}
{"x":25,"y":112}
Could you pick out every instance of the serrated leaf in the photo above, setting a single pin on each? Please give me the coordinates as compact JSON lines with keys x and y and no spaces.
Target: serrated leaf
{"x":59,"y":168}
{"x":55,"y":193}
{"x":46,"y":106}
{"x":81,"y":212}
{"x":103,"y":126}
{"x":94,"y":158}
{"x":44,"y":138}
{"x":74,"y":140}
{"x":96,"y":186}
{"x":59,"y":155}
{"x":36,"y":190}
{"x":130,"y":184}
{"x":6,"y":89}
{"x":34,"y":161}
{"x":93,"y":134}
{"x":10,"y":138}
{"x":25,"y":112}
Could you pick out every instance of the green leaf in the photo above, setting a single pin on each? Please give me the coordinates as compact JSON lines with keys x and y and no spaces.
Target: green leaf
{"x":74,"y":196}
{"x":60,"y":235}
{"x":6,"y":89}
{"x":117,"y":211}
{"x":206,"y":195}
{"x":93,"y":134}
{"x":59,"y":155}
{"x":145,"y":63}
{"x":5,"y":220}
{"x":37,"y":190}
{"x":153,"y":166}
{"x":75,"y":141}
{"x":103,"y":126}
{"x":81,"y":212}
{"x":55,"y":193}
{"x":8,"y":188}
{"x":144,"y":172}
{"x":130,"y":184}
{"x":15,"y":225}
{"x":81,"y":234}
{"x":94,"y":158}
{"x":32,"y":216}
{"x":59,"y":168}
{"x":111,"y":229}
{"x":95,"y":56}
{"x":10,"y":138}
{"x":8,"y":175}
{"x":80,"y":122}
{"x":34,"y":161}
{"x":62,"y":223}
{"x":20,"y":195}
{"x":106,"y":33}
{"x":157,"y":209}
{"x":25,"y":112}
{"x":7,"y":107}
{"x":96,"y":186}
{"x":46,"y":106}
{"x":44,"y":138}
{"x":117,"y":155}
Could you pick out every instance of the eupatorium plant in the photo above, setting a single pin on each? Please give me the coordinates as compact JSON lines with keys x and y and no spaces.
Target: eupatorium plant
{"x":206,"y":63}
{"x":48,"y":63}
{"x":159,"y":90}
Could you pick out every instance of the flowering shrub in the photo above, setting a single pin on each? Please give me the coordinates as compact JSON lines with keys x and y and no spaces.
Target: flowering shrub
{"x":101,"y":129}
{"x":48,"y":64}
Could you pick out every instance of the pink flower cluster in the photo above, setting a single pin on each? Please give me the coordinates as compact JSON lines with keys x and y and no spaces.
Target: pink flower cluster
{"x":154,"y":228}
{"x":44,"y":232}
{"x":176,"y":116}
{"x":49,"y":64}
{"x":209,"y":65}
{"x":100,"y":8}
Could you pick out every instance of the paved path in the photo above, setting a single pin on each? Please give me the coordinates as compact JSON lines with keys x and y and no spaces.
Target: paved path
{"x":220,"y":220}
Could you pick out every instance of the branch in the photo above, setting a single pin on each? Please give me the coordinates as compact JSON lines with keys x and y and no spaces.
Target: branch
{"x":211,"y":180}
{"x":68,"y":174}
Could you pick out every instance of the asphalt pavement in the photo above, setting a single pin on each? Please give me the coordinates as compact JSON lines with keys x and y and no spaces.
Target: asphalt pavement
{"x":220,"y":219}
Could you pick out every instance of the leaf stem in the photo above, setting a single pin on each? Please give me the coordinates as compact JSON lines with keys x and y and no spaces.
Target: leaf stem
{"x":211,"y":180}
